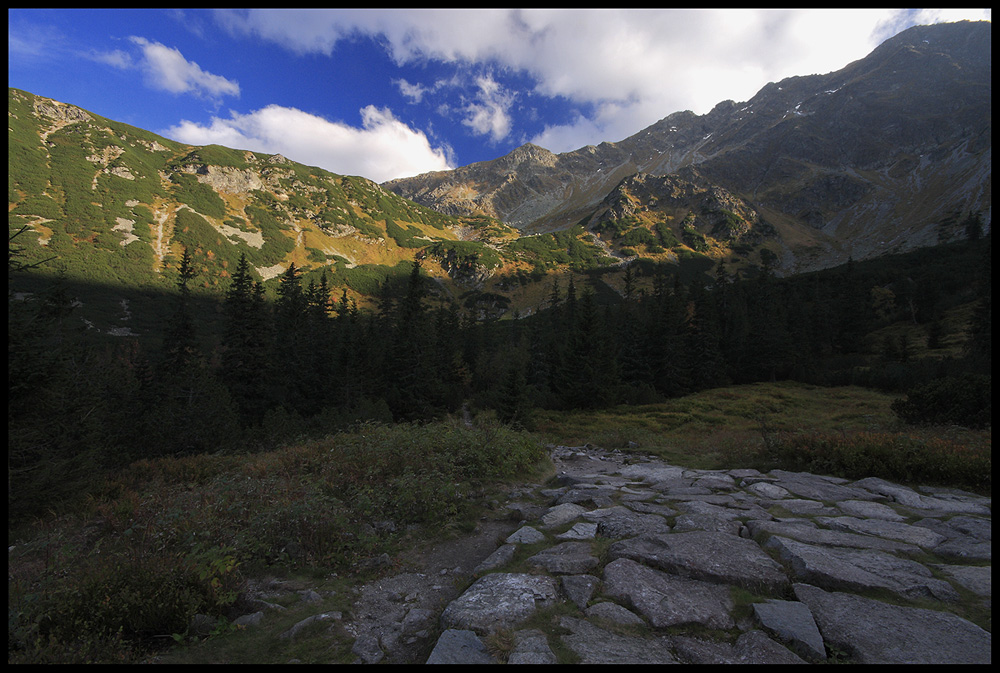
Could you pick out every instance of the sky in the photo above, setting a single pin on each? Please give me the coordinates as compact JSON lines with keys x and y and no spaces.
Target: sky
{"x":397,"y":92}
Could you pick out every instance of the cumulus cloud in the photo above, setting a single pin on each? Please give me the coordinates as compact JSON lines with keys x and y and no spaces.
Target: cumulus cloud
{"x":168,"y":70}
{"x":414,"y":92}
{"x":634,"y":66}
{"x":382,"y":149}
{"x":489,"y":113}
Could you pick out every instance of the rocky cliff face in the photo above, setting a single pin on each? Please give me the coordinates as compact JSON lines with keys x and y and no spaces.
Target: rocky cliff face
{"x":877,"y":157}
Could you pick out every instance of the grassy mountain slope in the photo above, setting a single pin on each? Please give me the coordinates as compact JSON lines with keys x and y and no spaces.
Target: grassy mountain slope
{"x":110,"y":207}
{"x":885,"y":155}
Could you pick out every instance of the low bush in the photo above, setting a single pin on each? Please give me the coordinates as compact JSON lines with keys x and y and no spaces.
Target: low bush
{"x":965,"y":400}
{"x":895,"y":457}
{"x":169,"y":538}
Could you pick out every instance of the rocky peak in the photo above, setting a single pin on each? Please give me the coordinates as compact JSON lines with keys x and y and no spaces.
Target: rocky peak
{"x":528,"y":154}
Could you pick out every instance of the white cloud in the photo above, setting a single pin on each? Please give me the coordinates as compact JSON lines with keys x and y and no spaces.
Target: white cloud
{"x":634,"y":66}
{"x":117,"y":58}
{"x":384,"y":148}
{"x":489,"y":114}
{"x":168,"y":70}
{"x":414,"y":92}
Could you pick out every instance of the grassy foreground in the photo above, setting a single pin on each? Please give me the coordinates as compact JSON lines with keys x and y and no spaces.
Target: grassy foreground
{"x":849,"y":431}
{"x":165,"y":539}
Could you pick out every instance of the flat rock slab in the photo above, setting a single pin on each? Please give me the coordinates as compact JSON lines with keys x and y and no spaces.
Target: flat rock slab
{"x":873,"y":632}
{"x":580,"y":531}
{"x":808,"y":532}
{"x":815,"y":487}
{"x":910,"y":498}
{"x":458,"y":646}
{"x":595,"y":645}
{"x":977,"y":579}
{"x":869,"y":510}
{"x":704,"y":555}
{"x":568,"y":558}
{"x":860,"y":570}
{"x":752,"y":647}
{"x":560,"y":514}
{"x":526,"y":535}
{"x":668,"y":600}
{"x":531,"y":647}
{"x":922,"y":537}
{"x":618,"y":522}
{"x":500,"y":600}
{"x":580,"y":588}
{"x":652,"y":472}
{"x":792,"y":623}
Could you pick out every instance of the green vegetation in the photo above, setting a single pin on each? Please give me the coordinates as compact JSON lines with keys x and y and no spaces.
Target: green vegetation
{"x":561,"y":248}
{"x":199,"y":196}
{"x":189,"y":530}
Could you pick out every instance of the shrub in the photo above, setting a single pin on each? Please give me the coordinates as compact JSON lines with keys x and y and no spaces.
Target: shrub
{"x":896,"y":457}
{"x":961,"y":400}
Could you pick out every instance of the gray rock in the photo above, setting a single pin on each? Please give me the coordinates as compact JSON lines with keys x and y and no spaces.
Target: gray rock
{"x":531,"y":647}
{"x":560,"y":514}
{"x":922,"y":537}
{"x":322,"y":617}
{"x":458,"y":646}
{"x":768,"y":490}
{"x":969,"y":538}
{"x":752,"y":647}
{"x":614,"y":613}
{"x":580,"y":588}
{"x":667,"y":600}
{"x":719,"y":481}
{"x":745,"y":473}
{"x":253,"y":619}
{"x":502,"y":556}
{"x":652,"y":473}
{"x":700,"y":507}
{"x":499,"y":600}
{"x":688,"y":522}
{"x":600,"y":497}
{"x":803,"y":507}
{"x":873,"y":632}
{"x":367,"y":647}
{"x":860,"y":570}
{"x":807,"y":532}
{"x":619,"y":521}
{"x":710,"y":556}
{"x":910,"y":498}
{"x":418,"y":619}
{"x":649,"y":508}
{"x":977,"y":579}
{"x":526,"y":535}
{"x":814,"y":487}
{"x":567,"y":558}
{"x":595,"y":645}
{"x":310,"y":596}
{"x":869,"y":510}
{"x":581,"y":531}
{"x":792,"y":623}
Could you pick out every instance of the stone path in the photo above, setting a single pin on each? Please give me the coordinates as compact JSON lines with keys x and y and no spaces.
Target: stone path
{"x":652,"y":563}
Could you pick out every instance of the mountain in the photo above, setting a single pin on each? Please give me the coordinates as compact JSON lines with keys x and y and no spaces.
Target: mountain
{"x":108,"y":205}
{"x":884,"y":155}
{"x":111,"y":208}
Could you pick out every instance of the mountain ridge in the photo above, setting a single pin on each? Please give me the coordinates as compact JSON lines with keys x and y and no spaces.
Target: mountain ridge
{"x":824,"y":156}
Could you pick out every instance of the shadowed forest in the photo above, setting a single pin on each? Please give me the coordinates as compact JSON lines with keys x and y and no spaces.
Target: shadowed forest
{"x":249,"y":374}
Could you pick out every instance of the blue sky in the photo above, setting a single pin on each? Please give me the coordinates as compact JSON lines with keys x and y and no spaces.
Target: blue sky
{"x":393,"y":93}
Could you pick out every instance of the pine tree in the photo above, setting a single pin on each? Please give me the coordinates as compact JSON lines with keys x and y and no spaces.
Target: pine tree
{"x":245,"y":342}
